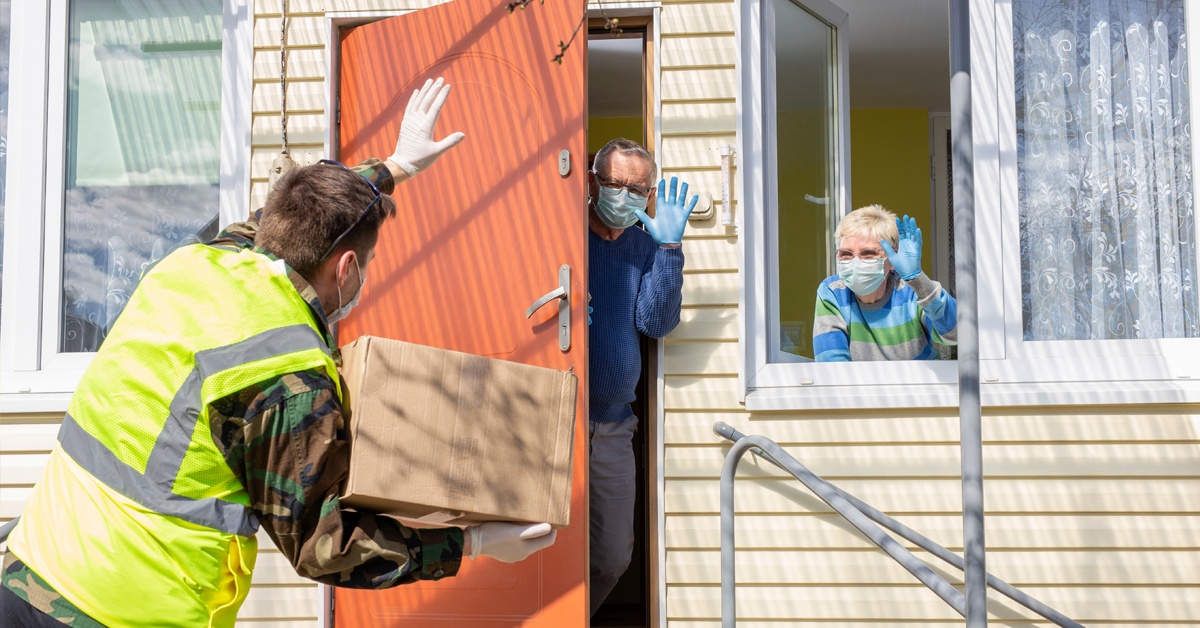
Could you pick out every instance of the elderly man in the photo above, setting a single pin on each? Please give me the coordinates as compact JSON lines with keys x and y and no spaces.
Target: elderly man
{"x":635,"y":279}
{"x":214,"y":407}
{"x":881,"y":305}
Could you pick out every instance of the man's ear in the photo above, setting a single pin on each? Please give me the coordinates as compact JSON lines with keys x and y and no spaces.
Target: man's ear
{"x":341,"y":269}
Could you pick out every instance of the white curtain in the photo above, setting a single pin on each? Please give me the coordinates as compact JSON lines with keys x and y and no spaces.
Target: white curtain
{"x":1107,"y":216}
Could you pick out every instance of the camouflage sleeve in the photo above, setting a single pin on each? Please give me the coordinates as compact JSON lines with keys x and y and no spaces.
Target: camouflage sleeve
{"x":377,"y":171}
{"x":284,"y":438}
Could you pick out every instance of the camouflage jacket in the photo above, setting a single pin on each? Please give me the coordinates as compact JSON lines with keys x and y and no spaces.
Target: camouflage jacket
{"x":284,"y":438}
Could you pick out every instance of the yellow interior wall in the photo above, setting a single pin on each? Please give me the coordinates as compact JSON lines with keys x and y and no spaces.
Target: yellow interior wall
{"x":602,"y":130}
{"x":889,"y":163}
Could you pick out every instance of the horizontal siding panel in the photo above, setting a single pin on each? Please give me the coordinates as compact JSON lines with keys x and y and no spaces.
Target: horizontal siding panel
{"x":281,"y":603}
{"x":1059,"y":460}
{"x":306,"y":95}
{"x":303,"y":128}
{"x":302,"y":30}
{"x":273,"y":569}
{"x":911,"y":426}
{"x":936,"y":495}
{"x":719,"y":50}
{"x":873,"y":567}
{"x":698,"y":84}
{"x":699,"y":358}
{"x":690,"y":392}
{"x":1017,"y":531}
{"x":698,"y":18}
{"x":713,"y":227}
{"x":706,"y":323}
{"x":705,"y":177}
{"x":710,"y":254}
{"x":699,"y":119}
{"x":694,"y":152}
{"x":683,"y":428}
{"x":27,"y":438}
{"x":711,"y":289}
{"x":16,"y":469}
{"x":262,"y":156}
{"x":302,"y":63}
{"x":12,"y":500}
{"x":918,"y":604}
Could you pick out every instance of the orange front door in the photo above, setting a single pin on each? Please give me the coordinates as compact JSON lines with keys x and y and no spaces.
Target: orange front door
{"x":477,"y":239}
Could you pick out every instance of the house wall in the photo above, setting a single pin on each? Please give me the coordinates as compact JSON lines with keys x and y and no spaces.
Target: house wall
{"x":1091,"y":509}
{"x":1095,"y":510}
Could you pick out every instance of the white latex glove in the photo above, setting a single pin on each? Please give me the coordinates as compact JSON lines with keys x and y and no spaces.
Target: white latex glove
{"x":508,"y":542}
{"x":415,"y":148}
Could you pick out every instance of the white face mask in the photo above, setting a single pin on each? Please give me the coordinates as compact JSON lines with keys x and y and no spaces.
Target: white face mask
{"x":863,"y":277}
{"x":344,"y":310}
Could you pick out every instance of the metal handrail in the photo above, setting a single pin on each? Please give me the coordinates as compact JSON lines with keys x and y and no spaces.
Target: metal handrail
{"x":863,"y":517}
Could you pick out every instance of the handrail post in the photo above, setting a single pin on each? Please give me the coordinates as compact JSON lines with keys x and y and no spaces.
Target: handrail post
{"x":970,"y":432}
{"x":728,"y":579}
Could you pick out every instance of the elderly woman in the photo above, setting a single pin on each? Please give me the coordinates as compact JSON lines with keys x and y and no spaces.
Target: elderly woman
{"x":881,"y":305}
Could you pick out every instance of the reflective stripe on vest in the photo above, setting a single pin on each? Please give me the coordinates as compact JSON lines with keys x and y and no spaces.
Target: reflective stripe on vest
{"x":153,"y":489}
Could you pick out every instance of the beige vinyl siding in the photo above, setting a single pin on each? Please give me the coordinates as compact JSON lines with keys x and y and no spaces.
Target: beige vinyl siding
{"x":1095,"y":511}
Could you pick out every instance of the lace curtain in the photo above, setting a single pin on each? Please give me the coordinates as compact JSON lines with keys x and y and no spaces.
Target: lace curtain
{"x":1104,"y":154}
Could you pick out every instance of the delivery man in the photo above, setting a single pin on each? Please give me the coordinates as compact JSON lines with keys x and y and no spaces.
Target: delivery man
{"x":214,"y":407}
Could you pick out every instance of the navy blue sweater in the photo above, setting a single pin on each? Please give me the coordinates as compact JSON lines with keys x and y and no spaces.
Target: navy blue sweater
{"x":636,"y":287}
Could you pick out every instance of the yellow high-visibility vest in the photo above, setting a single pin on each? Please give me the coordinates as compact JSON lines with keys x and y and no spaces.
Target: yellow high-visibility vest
{"x":138,"y":520}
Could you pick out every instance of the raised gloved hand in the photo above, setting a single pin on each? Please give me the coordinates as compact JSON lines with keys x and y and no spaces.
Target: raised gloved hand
{"x":671,"y":216}
{"x":415,"y":148}
{"x":907,"y":260}
{"x":508,"y":542}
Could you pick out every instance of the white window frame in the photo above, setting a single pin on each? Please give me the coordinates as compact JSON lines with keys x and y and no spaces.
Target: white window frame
{"x":1014,"y":371}
{"x":767,"y":380}
{"x":34,"y":375}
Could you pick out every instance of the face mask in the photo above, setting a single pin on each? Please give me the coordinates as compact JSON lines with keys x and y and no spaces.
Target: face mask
{"x":344,"y":310}
{"x":862,"y":276}
{"x":615,"y":207}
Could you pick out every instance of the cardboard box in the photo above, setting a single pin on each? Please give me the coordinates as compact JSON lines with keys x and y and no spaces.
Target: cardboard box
{"x":444,"y":438}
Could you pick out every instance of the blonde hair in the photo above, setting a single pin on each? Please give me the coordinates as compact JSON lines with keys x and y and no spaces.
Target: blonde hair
{"x":873,"y":222}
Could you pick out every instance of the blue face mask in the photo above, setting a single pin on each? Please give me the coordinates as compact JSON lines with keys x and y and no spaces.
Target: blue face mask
{"x":862,"y":276}
{"x":616,"y":205}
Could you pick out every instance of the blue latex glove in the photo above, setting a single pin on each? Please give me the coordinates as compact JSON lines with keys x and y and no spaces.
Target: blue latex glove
{"x":589,"y":315}
{"x":906,"y":261}
{"x":667,"y":225}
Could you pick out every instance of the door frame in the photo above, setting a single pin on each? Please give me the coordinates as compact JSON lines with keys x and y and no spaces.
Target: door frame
{"x":645,"y":15}
{"x":335,"y":21}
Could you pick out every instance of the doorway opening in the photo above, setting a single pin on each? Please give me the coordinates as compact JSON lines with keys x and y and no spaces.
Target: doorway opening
{"x":620,"y":104}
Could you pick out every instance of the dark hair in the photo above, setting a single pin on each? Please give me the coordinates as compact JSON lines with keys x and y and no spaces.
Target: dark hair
{"x":311,"y":206}
{"x":625,"y":147}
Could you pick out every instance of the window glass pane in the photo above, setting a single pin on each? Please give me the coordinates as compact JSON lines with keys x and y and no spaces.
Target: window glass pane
{"x":142,"y":154}
{"x":1104,"y":156}
{"x":5,"y":27}
{"x":806,"y":153}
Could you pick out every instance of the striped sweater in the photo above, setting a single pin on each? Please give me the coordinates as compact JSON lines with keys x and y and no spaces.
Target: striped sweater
{"x":903,"y":325}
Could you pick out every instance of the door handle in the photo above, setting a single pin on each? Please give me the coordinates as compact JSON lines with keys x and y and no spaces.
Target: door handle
{"x":562,"y":294}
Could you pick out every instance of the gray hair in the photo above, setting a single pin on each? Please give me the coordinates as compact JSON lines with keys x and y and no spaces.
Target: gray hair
{"x":627,"y":148}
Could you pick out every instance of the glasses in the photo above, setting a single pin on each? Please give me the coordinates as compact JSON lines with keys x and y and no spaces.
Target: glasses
{"x":868,"y":255}
{"x":365,"y":211}
{"x":609,"y":183}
